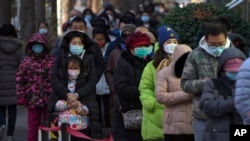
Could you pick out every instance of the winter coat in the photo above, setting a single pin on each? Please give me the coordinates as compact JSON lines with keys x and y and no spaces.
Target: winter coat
{"x":33,"y":76}
{"x":217,"y":101}
{"x":242,"y":100}
{"x":126,"y":81}
{"x":111,"y":66}
{"x":92,"y":49}
{"x":85,"y":83}
{"x":200,"y":67}
{"x":177,"y":118}
{"x":113,"y":45}
{"x":11,"y":55}
{"x":152,"y":110}
{"x":102,"y":87}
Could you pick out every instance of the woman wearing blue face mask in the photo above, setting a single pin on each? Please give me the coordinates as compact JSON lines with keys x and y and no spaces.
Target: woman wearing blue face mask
{"x":126,"y":82}
{"x":80,"y":45}
{"x":217,"y":100}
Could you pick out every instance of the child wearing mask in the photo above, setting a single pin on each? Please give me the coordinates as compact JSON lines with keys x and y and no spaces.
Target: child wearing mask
{"x":33,"y":83}
{"x":82,"y":80}
{"x":73,"y":111}
{"x":217,"y":100}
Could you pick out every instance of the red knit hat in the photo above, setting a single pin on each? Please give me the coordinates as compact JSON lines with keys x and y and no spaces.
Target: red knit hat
{"x":233,"y":65}
{"x":137,"y":39}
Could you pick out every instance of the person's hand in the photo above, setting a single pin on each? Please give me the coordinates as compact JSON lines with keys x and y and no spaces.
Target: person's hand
{"x":71,"y":97}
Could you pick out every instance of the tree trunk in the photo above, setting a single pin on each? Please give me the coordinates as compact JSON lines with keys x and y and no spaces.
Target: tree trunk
{"x":39,"y":11}
{"x":126,"y":5}
{"x":53,"y":17}
{"x":96,"y":5}
{"x":5,"y":11}
{"x":27,"y":19}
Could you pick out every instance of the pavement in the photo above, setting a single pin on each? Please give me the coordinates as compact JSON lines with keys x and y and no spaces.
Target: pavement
{"x":21,"y":125}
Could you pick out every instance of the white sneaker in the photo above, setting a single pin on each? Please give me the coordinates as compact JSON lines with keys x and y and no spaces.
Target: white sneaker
{"x":10,"y":138}
{"x":2,"y":131}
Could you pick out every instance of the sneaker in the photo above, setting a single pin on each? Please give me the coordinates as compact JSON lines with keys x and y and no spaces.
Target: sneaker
{"x":2,"y":131}
{"x":10,"y":138}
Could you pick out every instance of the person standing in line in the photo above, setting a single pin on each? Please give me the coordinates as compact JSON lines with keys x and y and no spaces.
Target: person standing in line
{"x":100,"y":36}
{"x":177,"y":121}
{"x":126,"y":81}
{"x":151,"y":128}
{"x":218,"y":96}
{"x":201,"y":66}
{"x":78,"y":44}
{"x":242,"y":99}
{"x":11,"y":55}
{"x":112,"y":64}
{"x":33,"y":83}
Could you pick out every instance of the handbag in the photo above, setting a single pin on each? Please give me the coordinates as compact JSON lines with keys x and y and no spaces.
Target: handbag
{"x":132,"y":119}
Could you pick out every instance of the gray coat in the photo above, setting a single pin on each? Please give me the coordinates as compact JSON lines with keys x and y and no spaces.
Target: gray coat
{"x":217,"y":101}
{"x":11,"y":55}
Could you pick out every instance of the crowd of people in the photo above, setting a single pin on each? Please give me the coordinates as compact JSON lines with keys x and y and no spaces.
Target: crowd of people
{"x":128,"y":73}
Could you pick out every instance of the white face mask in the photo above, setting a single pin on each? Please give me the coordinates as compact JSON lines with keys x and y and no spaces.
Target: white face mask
{"x":169,"y":48}
{"x":73,"y":74}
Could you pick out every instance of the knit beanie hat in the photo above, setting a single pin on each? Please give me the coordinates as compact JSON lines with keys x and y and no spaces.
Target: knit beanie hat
{"x":129,"y":27}
{"x":165,"y":33}
{"x":233,"y":65}
{"x":137,"y":39}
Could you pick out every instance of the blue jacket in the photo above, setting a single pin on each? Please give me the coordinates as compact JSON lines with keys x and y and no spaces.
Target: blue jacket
{"x":242,"y":95}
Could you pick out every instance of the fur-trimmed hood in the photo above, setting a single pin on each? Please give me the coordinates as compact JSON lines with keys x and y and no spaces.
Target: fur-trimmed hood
{"x":10,"y":44}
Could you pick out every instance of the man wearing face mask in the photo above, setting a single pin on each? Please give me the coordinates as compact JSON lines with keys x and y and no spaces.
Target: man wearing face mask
{"x":201,"y":65}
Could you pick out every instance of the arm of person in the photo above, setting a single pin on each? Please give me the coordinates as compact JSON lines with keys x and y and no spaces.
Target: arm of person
{"x":58,"y":87}
{"x":61,"y":105}
{"x":147,"y":87}
{"x":21,"y":80}
{"x":190,"y":82}
{"x":99,"y":63}
{"x":123,"y":87}
{"x":165,"y":97}
{"x":213,"y":107}
{"x":109,"y":73}
{"x":242,"y":94}
{"x":90,"y":86}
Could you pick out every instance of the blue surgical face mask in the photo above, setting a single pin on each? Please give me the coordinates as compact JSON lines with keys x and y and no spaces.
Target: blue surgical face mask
{"x":88,"y":17}
{"x":76,"y":49}
{"x":231,"y":75}
{"x":141,"y":52}
{"x":216,"y":51}
{"x":145,"y":19}
{"x":37,"y":48}
{"x":43,"y":30}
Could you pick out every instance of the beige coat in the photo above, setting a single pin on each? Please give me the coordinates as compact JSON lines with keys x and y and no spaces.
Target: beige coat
{"x":178,"y":104}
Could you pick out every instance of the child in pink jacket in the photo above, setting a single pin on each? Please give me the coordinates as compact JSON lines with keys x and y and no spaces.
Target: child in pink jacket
{"x":33,"y":83}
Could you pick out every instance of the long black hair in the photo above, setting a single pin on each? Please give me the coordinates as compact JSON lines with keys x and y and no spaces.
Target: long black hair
{"x":159,"y":56}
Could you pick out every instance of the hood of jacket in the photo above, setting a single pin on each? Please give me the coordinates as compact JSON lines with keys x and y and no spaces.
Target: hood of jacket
{"x":88,"y":43}
{"x":203,"y":45}
{"x":226,"y":55}
{"x":37,"y":38}
{"x":179,"y":58}
{"x":10,"y":44}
